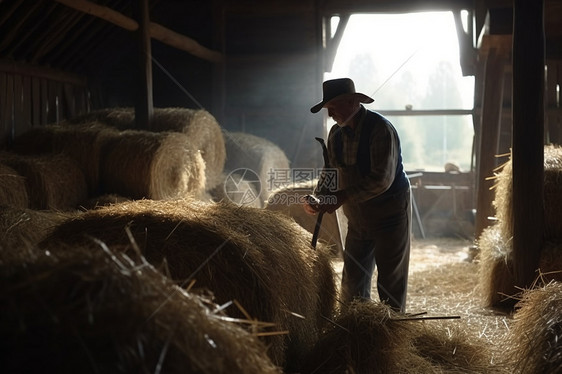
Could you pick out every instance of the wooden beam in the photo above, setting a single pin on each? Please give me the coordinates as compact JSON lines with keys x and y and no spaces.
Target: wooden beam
{"x":103,"y":12}
{"x":528,"y":138}
{"x":156,"y":31}
{"x":490,"y":122}
{"x":333,"y":44}
{"x":183,"y":43}
{"x":144,"y":106}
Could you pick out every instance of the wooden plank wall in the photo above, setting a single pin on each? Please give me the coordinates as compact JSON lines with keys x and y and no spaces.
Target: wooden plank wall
{"x":31,"y":96}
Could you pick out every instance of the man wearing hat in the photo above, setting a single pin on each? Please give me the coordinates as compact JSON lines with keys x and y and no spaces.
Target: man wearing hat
{"x":374,"y":192}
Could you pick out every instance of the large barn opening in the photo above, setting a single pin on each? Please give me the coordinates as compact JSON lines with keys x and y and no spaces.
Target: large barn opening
{"x":410,"y":64}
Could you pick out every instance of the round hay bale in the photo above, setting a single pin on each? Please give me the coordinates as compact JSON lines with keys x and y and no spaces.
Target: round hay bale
{"x":258,"y":156}
{"x":289,"y":201}
{"x":201,"y":127}
{"x":142,"y":164}
{"x":204,"y":133}
{"x":552,"y":193}
{"x":12,"y":188}
{"x":496,"y":274}
{"x":22,"y":229}
{"x":536,"y":332}
{"x":99,"y":310}
{"x":81,"y":143}
{"x":259,"y":259}
{"x":236,"y":189}
{"x":368,"y":337}
{"x":52,"y":181}
{"x":122,"y":118}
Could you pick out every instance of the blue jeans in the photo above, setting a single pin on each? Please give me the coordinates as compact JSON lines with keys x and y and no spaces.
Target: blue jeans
{"x":382,"y":241}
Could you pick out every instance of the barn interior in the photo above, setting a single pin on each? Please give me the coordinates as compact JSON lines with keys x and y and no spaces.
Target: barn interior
{"x":154,"y":157}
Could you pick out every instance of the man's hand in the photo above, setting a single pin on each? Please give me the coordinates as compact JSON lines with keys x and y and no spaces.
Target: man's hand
{"x":327,"y":203}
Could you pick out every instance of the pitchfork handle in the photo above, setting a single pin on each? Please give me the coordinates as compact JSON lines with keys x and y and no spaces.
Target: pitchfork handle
{"x":320,"y":214}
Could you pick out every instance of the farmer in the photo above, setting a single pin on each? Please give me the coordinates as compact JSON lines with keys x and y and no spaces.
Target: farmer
{"x":373,"y":190}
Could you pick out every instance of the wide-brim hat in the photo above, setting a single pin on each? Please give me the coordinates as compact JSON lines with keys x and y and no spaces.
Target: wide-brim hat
{"x":339,"y":89}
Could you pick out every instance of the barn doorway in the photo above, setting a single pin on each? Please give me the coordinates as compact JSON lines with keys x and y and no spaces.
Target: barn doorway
{"x":410,"y":64}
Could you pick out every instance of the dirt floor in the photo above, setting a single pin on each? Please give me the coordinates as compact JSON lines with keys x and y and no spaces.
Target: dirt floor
{"x":443,"y":282}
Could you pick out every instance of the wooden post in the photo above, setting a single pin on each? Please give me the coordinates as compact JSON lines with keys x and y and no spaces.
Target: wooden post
{"x":144,"y":107}
{"x":528,"y":133}
{"x":489,"y":135}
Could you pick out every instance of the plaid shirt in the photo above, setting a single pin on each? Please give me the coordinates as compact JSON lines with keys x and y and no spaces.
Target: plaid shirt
{"x":384,"y":152}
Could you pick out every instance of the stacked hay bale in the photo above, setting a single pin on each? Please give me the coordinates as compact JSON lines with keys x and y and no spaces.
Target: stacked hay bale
{"x":263,"y":163}
{"x":130,"y":163}
{"x":257,"y":259}
{"x":536,"y":334}
{"x":201,"y":128}
{"x":80,"y":143}
{"x":12,"y":188}
{"x":141,"y":164}
{"x":496,"y":267}
{"x":289,"y":200}
{"x":368,"y":337}
{"x":52,"y":182}
{"x":100,"y":310}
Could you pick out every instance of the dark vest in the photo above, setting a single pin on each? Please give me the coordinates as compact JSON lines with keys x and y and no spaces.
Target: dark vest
{"x":363,"y":160}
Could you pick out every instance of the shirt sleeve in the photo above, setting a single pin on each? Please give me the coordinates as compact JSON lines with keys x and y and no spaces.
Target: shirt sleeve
{"x":384,"y":153}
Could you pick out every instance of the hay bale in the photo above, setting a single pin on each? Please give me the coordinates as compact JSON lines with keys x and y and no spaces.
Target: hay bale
{"x":360,"y":340}
{"x":52,"y":181}
{"x":201,"y":127}
{"x":203,"y":131}
{"x":289,"y":201}
{"x":444,"y":347}
{"x":368,"y":337}
{"x":12,"y":188}
{"x":81,"y":143}
{"x":496,"y":273}
{"x":22,"y":229}
{"x":99,"y":310}
{"x":552,"y":192}
{"x":142,"y":164}
{"x":236,"y":189}
{"x":536,"y":333}
{"x":257,"y":156}
{"x":261,"y":259}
